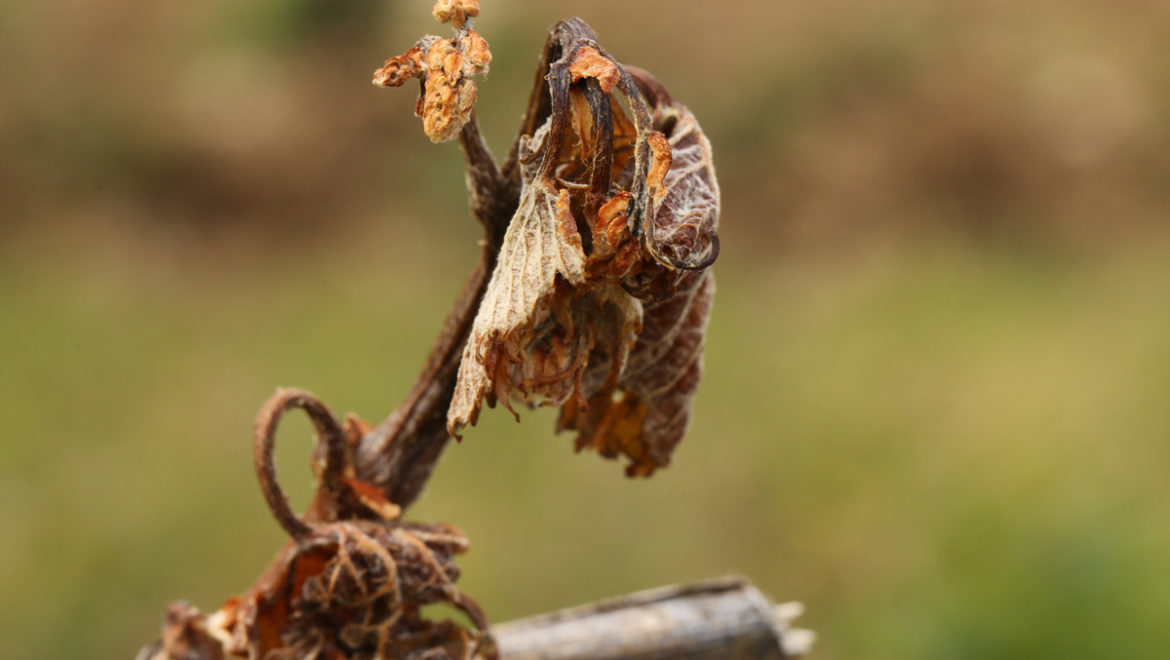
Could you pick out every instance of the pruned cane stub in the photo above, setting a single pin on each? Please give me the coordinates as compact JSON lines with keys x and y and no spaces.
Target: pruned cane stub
{"x":601,"y":291}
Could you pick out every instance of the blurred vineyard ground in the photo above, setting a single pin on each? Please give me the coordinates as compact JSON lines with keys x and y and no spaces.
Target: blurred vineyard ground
{"x":935,"y":407}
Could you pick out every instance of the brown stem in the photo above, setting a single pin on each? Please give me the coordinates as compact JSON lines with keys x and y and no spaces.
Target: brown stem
{"x":558,"y":82}
{"x":399,"y":454}
{"x":601,"y":160}
{"x":493,"y":199}
{"x":539,"y":106}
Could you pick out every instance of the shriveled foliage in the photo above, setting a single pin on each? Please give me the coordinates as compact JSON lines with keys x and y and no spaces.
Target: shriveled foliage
{"x":600,"y":296}
{"x":592,"y":294}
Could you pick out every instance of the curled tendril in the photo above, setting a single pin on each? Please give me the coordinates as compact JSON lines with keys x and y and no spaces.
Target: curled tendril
{"x":332,"y":451}
{"x":349,"y":551}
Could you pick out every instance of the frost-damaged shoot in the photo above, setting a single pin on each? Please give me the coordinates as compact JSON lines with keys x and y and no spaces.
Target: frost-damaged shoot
{"x":600,"y":293}
{"x":592,"y":294}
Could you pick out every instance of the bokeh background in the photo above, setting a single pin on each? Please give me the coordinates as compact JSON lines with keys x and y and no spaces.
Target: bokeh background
{"x":937,"y":401}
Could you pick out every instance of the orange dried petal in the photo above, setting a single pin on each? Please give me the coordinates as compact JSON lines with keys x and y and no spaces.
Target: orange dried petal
{"x":590,"y":63}
{"x":400,"y":68}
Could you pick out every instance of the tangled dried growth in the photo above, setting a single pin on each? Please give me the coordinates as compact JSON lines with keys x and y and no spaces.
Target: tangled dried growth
{"x":592,"y":294}
{"x":350,"y":583}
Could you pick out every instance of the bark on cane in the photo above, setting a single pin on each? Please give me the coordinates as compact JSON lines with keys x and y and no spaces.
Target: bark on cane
{"x":726,"y":618}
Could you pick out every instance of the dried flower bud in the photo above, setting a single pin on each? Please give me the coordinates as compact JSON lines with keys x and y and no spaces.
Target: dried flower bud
{"x":446,"y":67}
{"x":448,"y":96}
{"x":401,"y":68}
{"x":476,"y":54}
{"x":455,"y":12}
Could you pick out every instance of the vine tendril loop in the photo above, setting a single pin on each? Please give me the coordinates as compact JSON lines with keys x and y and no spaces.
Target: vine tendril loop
{"x":331,"y":448}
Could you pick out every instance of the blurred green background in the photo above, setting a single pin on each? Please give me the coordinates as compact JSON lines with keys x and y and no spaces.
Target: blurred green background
{"x":937,"y":401}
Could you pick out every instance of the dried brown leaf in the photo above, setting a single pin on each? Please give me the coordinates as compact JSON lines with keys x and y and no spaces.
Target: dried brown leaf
{"x":665,"y":365}
{"x":616,"y":338}
{"x":372,"y":497}
{"x":685,"y":196}
{"x":523,"y":341}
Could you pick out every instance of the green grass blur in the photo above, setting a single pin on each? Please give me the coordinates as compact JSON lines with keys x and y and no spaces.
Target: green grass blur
{"x":937,"y":397}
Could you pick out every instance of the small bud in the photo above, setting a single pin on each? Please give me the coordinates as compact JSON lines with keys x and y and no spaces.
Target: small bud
{"x":455,"y":12}
{"x":446,"y":66}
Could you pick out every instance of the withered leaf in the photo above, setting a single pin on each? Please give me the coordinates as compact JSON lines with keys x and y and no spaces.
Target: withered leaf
{"x":600,"y":297}
{"x":512,"y":349}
